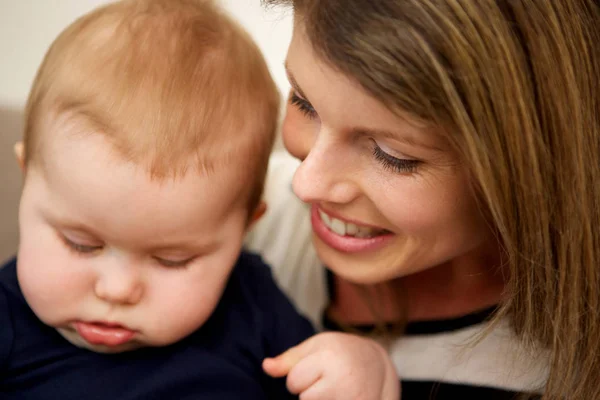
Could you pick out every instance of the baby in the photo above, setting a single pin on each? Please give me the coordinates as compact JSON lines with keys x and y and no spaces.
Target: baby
{"x":148,"y":132}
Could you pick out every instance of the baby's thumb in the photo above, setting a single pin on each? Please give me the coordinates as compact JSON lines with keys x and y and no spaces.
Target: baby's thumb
{"x":281,"y":365}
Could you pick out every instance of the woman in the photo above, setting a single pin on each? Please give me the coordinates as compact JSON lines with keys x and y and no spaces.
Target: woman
{"x":449,"y":173}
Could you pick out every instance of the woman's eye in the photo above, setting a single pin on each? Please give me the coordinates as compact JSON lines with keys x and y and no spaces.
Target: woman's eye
{"x":174,"y":263}
{"x":301,"y":104}
{"x":399,"y":165}
{"x":80,"y":248}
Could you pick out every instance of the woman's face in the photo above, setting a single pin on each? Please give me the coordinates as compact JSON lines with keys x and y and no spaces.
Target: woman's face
{"x":388,"y":196}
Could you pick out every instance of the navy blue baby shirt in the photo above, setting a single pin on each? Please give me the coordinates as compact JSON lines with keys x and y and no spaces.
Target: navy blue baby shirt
{"x":221,"y":360}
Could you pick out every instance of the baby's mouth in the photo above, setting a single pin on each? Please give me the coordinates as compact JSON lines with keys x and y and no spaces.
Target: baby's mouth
{"x":101,"y":333}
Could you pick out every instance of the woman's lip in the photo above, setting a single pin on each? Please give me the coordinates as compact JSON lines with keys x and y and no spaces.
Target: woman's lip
{"x":104,"y":333}
{"x":346,"y":220}
{"x":345,"y":244}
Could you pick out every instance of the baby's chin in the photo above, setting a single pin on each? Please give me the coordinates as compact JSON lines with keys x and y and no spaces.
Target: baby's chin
{"x":73,"y":337}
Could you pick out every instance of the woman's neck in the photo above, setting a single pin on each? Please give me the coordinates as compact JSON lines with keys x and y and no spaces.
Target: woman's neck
{"x":451,"y":290}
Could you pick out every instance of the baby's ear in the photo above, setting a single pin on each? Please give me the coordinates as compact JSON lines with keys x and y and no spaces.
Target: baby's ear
{"x":19,"y":150}
{"x":260,"y":210}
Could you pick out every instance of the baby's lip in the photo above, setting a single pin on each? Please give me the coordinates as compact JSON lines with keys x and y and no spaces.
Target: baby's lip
{"x":104,"y":333}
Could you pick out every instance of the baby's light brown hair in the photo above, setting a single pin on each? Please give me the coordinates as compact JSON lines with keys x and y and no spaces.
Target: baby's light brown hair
{"x":172,"y":84}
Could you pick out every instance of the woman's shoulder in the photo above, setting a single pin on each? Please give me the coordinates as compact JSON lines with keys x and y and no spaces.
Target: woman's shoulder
{"x":282,"y":234}
{"x":283,"y":237}
{"x":476,"y":356}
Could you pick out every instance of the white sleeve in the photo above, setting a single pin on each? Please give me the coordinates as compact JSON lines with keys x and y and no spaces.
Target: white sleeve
{"x":283,"y":237}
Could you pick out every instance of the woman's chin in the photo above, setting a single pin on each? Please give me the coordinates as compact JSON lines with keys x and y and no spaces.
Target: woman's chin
{"x":368,"y":269}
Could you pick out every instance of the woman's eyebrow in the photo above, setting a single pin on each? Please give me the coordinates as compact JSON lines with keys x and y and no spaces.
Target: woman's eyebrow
{"x":361,"y":130}
{"x":293,"y":81}
{"x":409,"y":140}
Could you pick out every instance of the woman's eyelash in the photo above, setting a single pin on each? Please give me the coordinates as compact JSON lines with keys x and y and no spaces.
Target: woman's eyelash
{"x":394,"y":164}
{"x":304,"y":106}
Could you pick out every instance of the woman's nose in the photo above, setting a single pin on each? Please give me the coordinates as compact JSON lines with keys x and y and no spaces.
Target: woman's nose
{"x":326,"y":173}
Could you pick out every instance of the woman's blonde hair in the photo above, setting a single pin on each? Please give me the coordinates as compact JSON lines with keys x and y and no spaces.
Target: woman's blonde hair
{"x":515,"y":86}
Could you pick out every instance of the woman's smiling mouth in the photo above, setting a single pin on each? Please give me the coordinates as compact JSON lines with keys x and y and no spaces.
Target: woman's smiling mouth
{"x":345,"y":236}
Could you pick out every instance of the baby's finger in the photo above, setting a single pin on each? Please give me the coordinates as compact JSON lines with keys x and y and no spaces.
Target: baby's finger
{"x":304,"y":374}
{"x":275,"y":367}
{"x":319,"y":390}
{"x":282,"y":364}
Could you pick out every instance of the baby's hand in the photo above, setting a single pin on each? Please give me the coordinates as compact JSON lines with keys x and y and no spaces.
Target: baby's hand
{"x":336,"y":365}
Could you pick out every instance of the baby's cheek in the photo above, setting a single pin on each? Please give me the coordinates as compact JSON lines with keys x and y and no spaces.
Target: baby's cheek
{"x":49,"y":281}
{"x":183,"y":304}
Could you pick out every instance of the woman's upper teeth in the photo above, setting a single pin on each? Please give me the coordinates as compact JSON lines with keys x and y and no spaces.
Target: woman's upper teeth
{"x":346,"y":228}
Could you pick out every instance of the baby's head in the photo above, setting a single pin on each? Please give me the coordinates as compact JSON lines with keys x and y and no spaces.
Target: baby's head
{"x":148,"y":131}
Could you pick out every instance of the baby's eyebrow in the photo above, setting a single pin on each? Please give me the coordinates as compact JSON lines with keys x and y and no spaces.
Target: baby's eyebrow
{"x":184,"y":245}
{"x":64,"y":224}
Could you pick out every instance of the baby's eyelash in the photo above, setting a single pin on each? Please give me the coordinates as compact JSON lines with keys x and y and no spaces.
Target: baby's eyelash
{"x":394,"y":164}
{"x":174,"y":264}
{"x":79,"y":248}
{"x":304,"y":106}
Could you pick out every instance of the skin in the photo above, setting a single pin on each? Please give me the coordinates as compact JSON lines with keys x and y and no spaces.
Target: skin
{"x":101,"y":241}
{"x":98,"y":242}
{"x":408,"y":182}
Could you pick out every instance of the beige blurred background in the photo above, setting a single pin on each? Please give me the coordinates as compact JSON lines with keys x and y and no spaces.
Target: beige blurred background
{"x":10,"y":180}
{"x":27,"y":27}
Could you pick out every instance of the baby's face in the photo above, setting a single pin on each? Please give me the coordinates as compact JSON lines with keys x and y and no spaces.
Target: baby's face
{"x":115,"y":260}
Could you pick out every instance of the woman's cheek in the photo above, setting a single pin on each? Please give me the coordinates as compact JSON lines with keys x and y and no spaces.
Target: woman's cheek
{"x":298,"y":133}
